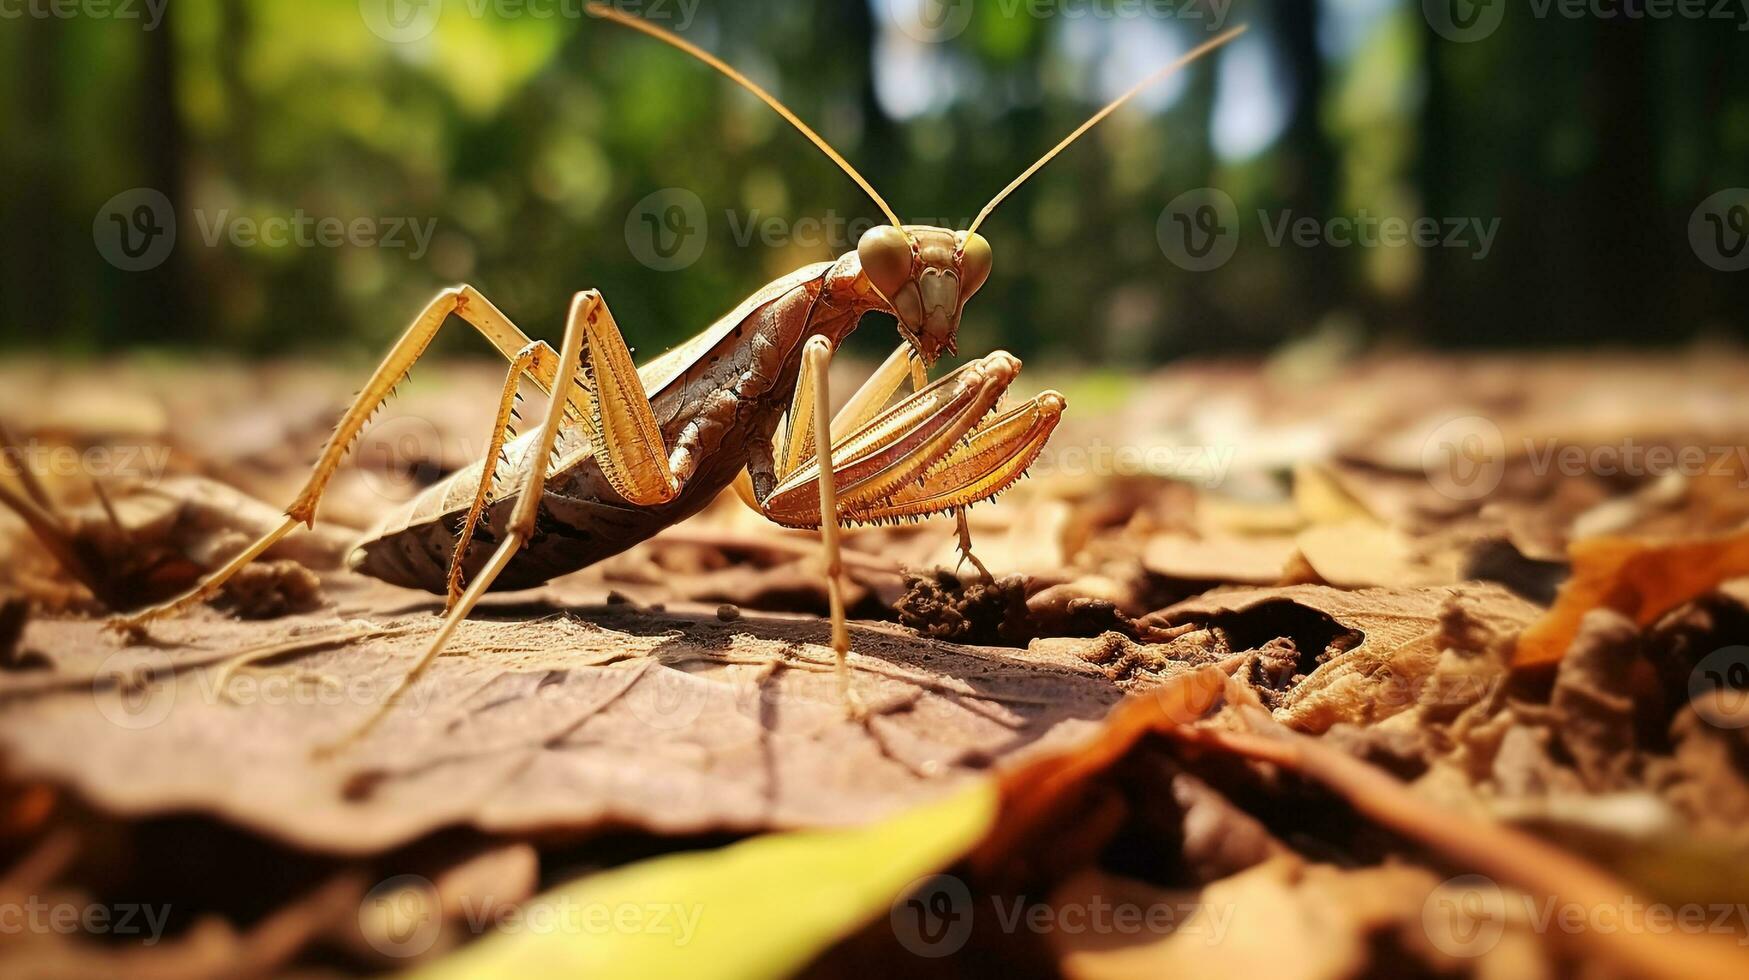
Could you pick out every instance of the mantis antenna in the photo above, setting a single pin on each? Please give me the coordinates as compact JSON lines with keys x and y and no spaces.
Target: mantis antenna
{"x":673,"y":40}
{"x":1187,"y":58}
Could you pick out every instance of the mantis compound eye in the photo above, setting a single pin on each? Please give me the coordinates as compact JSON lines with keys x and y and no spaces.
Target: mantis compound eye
{"x":975,"y":259}
{"x":886,"y":259}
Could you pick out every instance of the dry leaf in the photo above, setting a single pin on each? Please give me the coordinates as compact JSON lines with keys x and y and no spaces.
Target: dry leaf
{"x":1368,"y":654}
{"x":675,"y":723}
{"x":1255,"y":560}
{"x":1640,"y":579}
{"x":1283,"y":918}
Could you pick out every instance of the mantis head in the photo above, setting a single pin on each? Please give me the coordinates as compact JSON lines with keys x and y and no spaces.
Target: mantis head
{"x":925,"y":274}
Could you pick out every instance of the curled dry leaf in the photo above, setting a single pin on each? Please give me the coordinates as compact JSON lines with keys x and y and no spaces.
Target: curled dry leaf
{"x":1367,"y":654}
{"x":1640,"y":579}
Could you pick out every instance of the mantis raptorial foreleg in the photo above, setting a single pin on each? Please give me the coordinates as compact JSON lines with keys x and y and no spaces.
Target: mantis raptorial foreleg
{"x":465,"y":302}
{"x":895,"y":447}
{"x":932,"y":452}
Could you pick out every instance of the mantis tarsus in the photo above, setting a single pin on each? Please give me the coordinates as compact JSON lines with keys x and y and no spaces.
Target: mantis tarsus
{"x":623,"y":452}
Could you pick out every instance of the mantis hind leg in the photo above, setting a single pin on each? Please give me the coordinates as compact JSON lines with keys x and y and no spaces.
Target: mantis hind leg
{"x":627,"y":444}
{"x":501,"y":432}
{"x":465,"y":302}
{"x":522,"y":519}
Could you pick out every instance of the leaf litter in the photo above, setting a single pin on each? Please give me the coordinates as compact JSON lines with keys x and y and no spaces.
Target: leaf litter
{"x":1322,"y":693}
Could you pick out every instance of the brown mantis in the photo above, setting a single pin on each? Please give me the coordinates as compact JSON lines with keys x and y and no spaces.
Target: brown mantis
{"x":623,"y":452}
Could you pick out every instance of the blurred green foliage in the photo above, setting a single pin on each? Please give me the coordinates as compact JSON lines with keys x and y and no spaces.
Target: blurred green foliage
{"x":530,"y":140}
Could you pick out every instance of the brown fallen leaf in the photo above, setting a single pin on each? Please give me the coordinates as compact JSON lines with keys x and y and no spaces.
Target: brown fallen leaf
{"x":1500,"y":853}
{"x":671,"y":722}
{"x":1362,"y":553}
{"x":1056,"y":791}
{"x":1640,"y":579}
{"x":1367,"y":654}
{"x":1284,"y":918}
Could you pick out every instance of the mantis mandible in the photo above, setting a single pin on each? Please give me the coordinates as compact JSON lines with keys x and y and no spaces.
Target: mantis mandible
{"x":623,"y":452}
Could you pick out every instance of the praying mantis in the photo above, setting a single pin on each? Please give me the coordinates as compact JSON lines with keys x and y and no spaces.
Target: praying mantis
{"x":624,"y":451}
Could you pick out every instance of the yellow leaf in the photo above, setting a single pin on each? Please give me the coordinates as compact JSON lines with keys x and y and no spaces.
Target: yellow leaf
{"x":764,"y":907}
